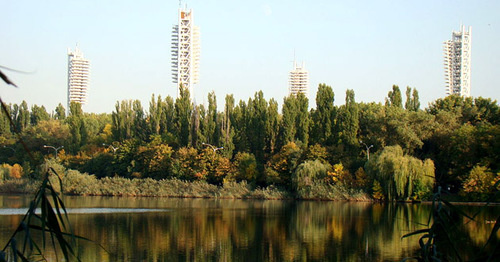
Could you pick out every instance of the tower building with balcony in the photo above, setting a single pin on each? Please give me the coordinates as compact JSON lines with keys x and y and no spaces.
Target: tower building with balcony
{"x":457,"y":62}
{"x":185,"y":51}
{"x":78,"y":77}
{"x":298,"y":80}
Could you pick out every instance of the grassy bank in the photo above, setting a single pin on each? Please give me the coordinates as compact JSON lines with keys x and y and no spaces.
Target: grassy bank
{"x":75,"y":183}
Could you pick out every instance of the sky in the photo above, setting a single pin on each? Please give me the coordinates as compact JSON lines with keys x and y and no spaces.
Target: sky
{"x":246,"y":46}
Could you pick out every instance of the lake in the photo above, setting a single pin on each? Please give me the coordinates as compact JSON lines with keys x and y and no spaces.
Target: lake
{"x":170,"y":229}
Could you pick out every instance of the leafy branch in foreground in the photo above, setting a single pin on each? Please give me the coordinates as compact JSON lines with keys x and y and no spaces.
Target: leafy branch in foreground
{"x":46,"y":216}
{"x":441,"y":241}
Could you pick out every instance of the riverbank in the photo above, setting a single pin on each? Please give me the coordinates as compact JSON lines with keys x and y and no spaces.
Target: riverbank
{"x":87,"y":185}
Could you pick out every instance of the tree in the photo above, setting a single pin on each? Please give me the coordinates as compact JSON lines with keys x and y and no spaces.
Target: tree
{"x":60,"y":112}
{"x":309,"y":173}
{"x":399,"y":174}
{"x":139,"y":127}
{"x":211,"y":128}
{"x":281,"y":166}
{"x":412,"y":100}
{"x":416,"y":100}
{"x":198,"y":126}
{"x":257,"y":116}
{"x":182,"y":121}
{"x":77,"y":127}
{"x":155,"y":114}
{"x":240,"y":120}
{"x":246,"y":167}
{"x":288,"y":123}
{"x":226,"y":127}
{"x":480,"y":184}
{"x":272,"y":126}
{"x":38,"y":114}
{"x":323,"y":116}
{"x":5,"y":128}
{"x":22,"y":116}
{"x":394,"y":97}
{"x":302,"y":119}
{"x":349,"y":120}
{"x":123,"y":120}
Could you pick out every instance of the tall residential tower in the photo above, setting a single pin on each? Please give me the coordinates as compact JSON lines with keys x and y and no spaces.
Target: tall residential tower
{"x":78,"y":77}
{"x":299,"y":79}
{"x":457,"y":62}
{"x":185,"y":51}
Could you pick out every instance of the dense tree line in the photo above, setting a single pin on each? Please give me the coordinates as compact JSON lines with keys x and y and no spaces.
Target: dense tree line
{"x":455,"y":140}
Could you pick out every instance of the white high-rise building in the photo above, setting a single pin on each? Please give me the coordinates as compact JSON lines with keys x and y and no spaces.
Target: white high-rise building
{"x":185,"y":51}
{"x":78,"y":77}
{"x":457,"y":62}
{"x":299,"y":79}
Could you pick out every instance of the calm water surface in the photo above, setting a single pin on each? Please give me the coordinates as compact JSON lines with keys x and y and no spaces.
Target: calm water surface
{"x":165,"y":229}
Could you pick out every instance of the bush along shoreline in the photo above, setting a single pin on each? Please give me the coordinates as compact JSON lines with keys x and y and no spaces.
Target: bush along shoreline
{"x":89,"y":185}
{"x":77,"y":183}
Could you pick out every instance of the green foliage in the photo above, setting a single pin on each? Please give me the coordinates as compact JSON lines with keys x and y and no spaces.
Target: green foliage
{"x":398,"y":173}
{"x":182,"y":116}
{"x":323,"y":116}
{"x":394,"y":97}
{"x":227,"y":128}
{"x":412,"y":100}
{"x":308,"y":173}
{"x":457,"y":133}
{"x":281,"y":166}
{"x":348,"y":122}
{"x":52,"y":223}
{"x":480,"y":184}
{"x":60,"y":112}
{"x":378,"y":192}
{"x":246,"y":167}
{"x":316,"y":152}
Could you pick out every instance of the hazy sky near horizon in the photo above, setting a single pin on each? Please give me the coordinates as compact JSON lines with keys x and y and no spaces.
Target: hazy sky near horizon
{"x":246,"y":46}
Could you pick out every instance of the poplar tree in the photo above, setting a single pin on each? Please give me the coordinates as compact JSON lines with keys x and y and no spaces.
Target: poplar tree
{"x":302,"y":119}
{"x":60,"y":112}
{"x":349,"y":120}
{"x":182,"y":122}
{"x":323,"y":116}
{"x":288,"y":124}
{"x":211,"y":128}
{"x":272,"y":126}
{"x":226,"y":127}
{"x":394,"y":97}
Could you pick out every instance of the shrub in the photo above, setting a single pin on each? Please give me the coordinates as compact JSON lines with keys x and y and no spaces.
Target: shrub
{"x":77,"y":183}
{"x":309,"y":172}
{"x":479,"y":185}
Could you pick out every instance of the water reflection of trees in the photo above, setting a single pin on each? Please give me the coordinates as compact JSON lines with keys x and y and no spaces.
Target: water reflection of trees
{"x":236,"y":230}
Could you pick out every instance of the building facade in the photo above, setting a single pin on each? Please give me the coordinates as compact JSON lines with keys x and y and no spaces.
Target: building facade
{"x":457,"y":62}
{"x":185,"y":51}
{"x":78,"y":77}
{"x":298,"y":80}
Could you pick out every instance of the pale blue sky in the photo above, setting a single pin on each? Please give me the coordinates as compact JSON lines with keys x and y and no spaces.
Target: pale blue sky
{"x":246,"y":46}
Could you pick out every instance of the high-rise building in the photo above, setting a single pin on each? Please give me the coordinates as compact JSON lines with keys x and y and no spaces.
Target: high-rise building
{"x":457,"y":62}
{"x":299,"y":79}
{"x":185,"y":51}
{"x":78,"y":77}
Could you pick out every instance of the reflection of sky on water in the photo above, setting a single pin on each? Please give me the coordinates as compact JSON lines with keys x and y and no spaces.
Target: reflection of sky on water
{"x":22,"y":211}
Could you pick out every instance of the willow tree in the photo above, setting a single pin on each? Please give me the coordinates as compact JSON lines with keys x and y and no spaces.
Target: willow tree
{"x":401,"y":176}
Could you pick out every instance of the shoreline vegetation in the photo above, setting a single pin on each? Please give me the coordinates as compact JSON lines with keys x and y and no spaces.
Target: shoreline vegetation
{"x":88,"y":185}
{"x":385,"y":152}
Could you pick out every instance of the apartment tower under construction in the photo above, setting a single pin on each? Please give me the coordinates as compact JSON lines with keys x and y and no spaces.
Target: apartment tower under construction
{"x":457,"y":62}
{"x":185,"y":51}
